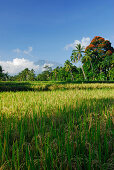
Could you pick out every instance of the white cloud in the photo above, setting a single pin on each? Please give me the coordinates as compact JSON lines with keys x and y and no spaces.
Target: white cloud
{"x":46,"y":64}
{"x":17,"y":50}
{"x":17,"y":65}
{"x":27,"y":52}
{"x":85,"y":41}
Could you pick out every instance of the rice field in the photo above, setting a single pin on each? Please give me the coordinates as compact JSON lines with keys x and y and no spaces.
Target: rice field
{"x":69,"y":128}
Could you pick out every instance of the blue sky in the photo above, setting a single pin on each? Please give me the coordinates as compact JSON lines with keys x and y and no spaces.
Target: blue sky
{"x":41,"y":29}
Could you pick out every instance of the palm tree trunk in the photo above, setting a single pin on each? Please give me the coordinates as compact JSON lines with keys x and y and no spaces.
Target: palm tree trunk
{"x":83,"y":72}
{"x":91,"y":65}
{"x":92,"y":69}
{"x":71,"y":75}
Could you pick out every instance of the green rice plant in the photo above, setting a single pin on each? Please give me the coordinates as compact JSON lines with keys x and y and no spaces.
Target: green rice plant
{"x":89,"y":163}
{"x":70,"y":128}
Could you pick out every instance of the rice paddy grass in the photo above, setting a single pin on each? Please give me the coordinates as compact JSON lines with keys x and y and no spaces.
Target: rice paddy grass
{"x":70,"y":128}
{"x":52,"y":85}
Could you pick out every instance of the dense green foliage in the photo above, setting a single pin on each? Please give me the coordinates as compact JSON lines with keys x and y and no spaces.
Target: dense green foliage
{"x":25,"y":75}
{"x":62,"y":129}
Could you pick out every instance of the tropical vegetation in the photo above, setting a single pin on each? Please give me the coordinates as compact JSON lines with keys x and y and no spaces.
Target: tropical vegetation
{"x":96,"y":64}
{"x":62,"y":118}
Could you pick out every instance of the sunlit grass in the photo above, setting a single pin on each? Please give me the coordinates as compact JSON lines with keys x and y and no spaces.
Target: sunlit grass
{"x":62,"y":129}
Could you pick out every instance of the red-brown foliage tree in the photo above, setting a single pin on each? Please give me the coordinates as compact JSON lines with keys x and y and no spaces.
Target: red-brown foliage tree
{"x":100,"y":46}
{"x":101,"y":51}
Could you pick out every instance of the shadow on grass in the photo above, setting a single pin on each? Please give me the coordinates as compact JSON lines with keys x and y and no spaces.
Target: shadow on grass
{"x":61,"y":140}
{"x":83,"y":82}
{"x":47,"y":86}
{"x":15,"y":86}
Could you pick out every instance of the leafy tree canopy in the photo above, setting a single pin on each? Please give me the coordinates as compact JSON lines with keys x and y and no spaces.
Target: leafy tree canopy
{"x":100,"y":47}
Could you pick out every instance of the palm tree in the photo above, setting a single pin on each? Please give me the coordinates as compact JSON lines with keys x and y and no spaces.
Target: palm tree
{"x":77,"y":56}
{"x":88,"y":56}
{"x":55,"y":72}
{"x":47,"y":70}
{"x":68,"y":67}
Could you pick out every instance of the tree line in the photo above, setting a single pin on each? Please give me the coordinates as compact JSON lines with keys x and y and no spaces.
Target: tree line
{"x":96,"y":64}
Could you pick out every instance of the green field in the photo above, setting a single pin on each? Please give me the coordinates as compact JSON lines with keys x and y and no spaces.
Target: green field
{"x":56,"y":126}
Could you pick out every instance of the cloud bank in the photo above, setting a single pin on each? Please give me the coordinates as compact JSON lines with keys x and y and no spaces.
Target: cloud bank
{"x":85,"y":41}
{"x":17,"y":65}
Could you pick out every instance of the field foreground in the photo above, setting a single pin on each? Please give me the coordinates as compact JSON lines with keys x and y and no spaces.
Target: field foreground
{"x":62,"y":129}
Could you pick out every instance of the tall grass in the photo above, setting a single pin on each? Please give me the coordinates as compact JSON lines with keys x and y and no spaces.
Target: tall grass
{"x":63,"y":129}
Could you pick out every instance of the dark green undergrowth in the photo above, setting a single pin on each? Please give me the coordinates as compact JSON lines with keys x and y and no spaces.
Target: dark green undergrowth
{"x":53,"y":85}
